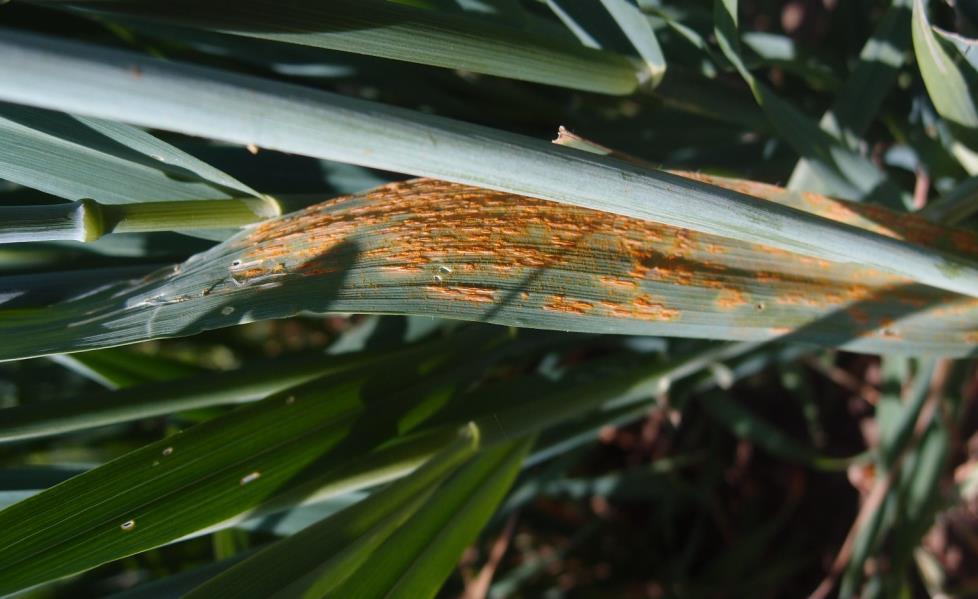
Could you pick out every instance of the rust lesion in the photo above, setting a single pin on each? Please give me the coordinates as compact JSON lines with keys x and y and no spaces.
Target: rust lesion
{"x":730,"y":299}
{"x":875,"y":218}
{"x":641,"y":307}
{"x":463,"y":293}
{"x":410,"y":230}
{"x":407,"y":269}
{"x":561,"y":303}
{"x":619,"y":283}
{"x":794,"y":298}
{"x":645,"y":307}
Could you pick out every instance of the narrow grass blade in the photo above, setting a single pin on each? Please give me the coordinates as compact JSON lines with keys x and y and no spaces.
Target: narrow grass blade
{"x":635,"y":25}
{"x":781,"y":51}
{"x":421,"y":555}
{"x":629,"y":406}
{"x":744,"y":424}
{"x":87,"y":220}
{"x":897,"y":429}
{"x":560,"y":10}
{"x":288,"y":523}
{"x":950,"y":79}
{"x":169,"y":95}
{"x":198,"y":478}
{"x":693,"y":37}
{"x":322,"y":445}
{"x":858,"y":101}
{"x":905,"y":439}
{"x":504,"y":413}
{"x":845,"y":173}
{"x":960,"y":203}
{"x":253,"y":382}
{"x":76,"y":157}
{"x":78,"y":221}
{"x":117,"y":368}
{"x":392,"y":30}
{"x":318,"y":559}
{"x":51,"y":286}
{"x":919,"y":493}
{"x":682,"y":90}
{"x":428,"y":247}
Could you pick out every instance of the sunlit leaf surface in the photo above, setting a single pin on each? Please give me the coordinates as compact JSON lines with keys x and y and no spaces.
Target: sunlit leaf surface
{"x":429,"y":247}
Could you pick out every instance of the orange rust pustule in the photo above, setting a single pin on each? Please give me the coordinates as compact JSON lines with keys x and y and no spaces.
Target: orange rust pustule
{"x":560,"y":303}
{"x":643,"y":307}
{"x":424,"y":223}
{"x":878,"y":219}
{"x":423,"y":231}
{"x":619,"y":283}
{"x":466,"y":293}
{"x":431,"y":217}
{"x":728,"y":299}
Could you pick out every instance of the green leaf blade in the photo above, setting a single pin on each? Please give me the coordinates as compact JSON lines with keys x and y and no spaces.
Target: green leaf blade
{"x":208,"y":102}
{"x":418,"y":557}
{"x":398,"y":32}
{"x":420,"y":247}
{"x":950,"y":80}
{"x":76,"y":158}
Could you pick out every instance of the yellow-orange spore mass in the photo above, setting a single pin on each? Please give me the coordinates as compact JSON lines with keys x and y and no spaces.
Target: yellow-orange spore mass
{"x":454,"y":242}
